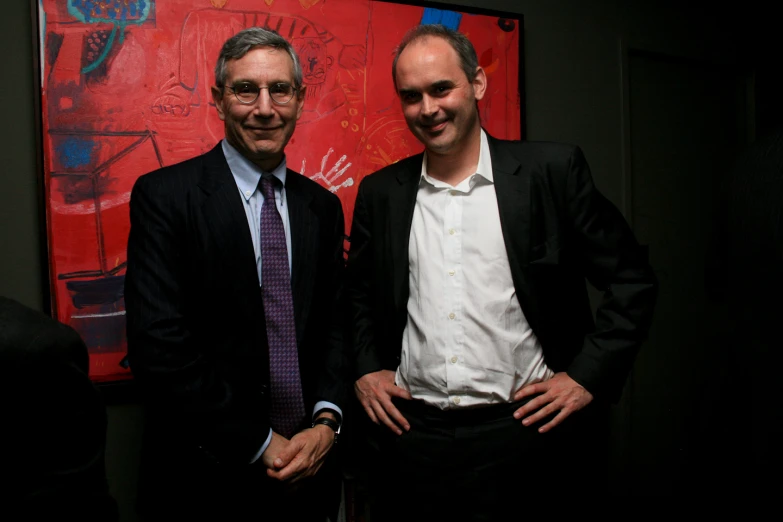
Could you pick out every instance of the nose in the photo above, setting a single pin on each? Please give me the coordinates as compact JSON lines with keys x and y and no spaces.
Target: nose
{"x":263,"y":106}
{"x":428,"y":106}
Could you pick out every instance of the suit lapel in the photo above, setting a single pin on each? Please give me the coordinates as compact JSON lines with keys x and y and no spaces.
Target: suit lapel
{"x":304,"y":241}
{"x":226,"y":223}
{"x":402,"y":201}
{"x":512,"y":186}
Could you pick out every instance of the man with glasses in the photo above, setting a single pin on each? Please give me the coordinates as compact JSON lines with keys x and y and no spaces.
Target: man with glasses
{"x":233,"y":290}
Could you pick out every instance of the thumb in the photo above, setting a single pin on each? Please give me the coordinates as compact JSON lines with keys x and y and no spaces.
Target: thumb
{"x":287,"y":454}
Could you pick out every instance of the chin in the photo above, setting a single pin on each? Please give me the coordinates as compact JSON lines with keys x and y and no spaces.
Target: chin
{"x":440,"y":147}
{"x":265,"y":149}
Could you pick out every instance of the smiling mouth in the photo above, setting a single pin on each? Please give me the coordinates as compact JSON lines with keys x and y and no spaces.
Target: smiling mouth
{"x":434,"y":128}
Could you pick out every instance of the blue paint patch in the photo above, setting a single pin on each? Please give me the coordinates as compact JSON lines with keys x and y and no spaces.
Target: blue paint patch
{"x":450,"y":19}
{"x":75,"y":152}
{"x":118,"y":15}
{"x":124,"y":13}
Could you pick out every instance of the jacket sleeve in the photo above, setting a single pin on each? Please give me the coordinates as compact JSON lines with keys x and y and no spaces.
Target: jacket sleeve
{"x":360,"y":293}
{"x":617,"y":265}
{"x":334,"y":377}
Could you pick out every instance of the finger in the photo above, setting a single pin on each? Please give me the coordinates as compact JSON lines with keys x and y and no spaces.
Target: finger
{"x":399,"y":392}
{"x":392,"y":411}
{"x":301,"y":467}
{"x":383,"y":416}
{"x":370,"y":412}
{"x":532,"y":406}
{"x":288,"y":453}
{"x":397,"y":416}
{"x":291,"y":472}
{"x":305,"y":473}
{"x":295,"y":467}
{"x":559,"y":418}
{"x":541,"y":414}
{"x":530,"y":389}
{"x":284,"y":475}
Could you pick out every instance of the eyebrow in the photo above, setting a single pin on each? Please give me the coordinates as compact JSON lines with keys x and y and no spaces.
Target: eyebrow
{"x":238,"y":81}
{"x":437,"y":85}
{"x":442,"y":83}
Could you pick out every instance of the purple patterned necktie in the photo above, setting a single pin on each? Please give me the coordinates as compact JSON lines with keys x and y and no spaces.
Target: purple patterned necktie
{"x":287,"y":406}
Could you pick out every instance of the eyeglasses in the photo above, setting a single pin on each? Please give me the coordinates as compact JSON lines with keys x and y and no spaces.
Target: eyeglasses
{"x":247,"y":93}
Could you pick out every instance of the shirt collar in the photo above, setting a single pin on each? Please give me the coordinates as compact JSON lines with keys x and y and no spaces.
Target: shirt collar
{"x":247,"y":174}
{"x":483,"y":169}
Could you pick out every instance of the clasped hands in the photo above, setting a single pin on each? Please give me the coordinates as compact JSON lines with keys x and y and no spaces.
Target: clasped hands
{"x":559,"y":395}
{"x":301,"y":457}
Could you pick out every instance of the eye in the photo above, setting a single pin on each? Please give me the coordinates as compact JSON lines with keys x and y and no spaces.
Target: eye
{"x":245,"y":90}
{"x":441,"y":90}
{"x":282,"y":89}
{"x":410,"y":97}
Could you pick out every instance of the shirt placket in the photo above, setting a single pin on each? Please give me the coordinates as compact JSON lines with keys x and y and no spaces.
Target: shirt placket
{"x":452,"y":266}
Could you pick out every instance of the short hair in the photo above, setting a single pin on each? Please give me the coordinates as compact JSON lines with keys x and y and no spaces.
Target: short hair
{"x":458,"y":41}
{"x":251,"y":38}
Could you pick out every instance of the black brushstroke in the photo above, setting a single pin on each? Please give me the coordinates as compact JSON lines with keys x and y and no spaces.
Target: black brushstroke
{"x":104,"y":290}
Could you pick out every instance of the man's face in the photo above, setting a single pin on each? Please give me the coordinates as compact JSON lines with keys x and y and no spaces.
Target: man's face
{"x":259,"y":130}
{"x":438,"y":100}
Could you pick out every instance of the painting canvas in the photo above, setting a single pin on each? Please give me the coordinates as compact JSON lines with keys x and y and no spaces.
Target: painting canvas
{"x":125,"y":89}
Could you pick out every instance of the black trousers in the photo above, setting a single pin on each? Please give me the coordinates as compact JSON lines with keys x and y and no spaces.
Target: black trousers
{"x":238,"y":493}
{"x":482,"y":464}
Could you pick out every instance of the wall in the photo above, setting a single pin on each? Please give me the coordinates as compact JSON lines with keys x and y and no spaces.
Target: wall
{"x":573,"y":93}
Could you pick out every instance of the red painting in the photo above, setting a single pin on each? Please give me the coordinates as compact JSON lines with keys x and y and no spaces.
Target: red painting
{"x":125,"y":89}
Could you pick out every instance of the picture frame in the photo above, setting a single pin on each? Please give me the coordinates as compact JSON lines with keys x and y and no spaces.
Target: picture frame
{"x":125,"y":89}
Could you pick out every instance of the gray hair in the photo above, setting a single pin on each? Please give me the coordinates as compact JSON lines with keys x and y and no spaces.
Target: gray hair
{"x":244,"y":41}
{"x":458,"y":41}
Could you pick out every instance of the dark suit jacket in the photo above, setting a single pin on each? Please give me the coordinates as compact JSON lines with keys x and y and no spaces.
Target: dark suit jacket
{"x":196,"y":331}
{"x":558,"y":230}
{"x":53,"y":436}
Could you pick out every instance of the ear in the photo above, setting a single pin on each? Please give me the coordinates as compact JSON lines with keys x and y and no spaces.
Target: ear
{"x":479,"y":83}
{"x":217,"y":97}
{"x":300,"y":99}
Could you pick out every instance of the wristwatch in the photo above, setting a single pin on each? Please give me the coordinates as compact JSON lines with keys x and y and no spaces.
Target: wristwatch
{"x":331,"y":423}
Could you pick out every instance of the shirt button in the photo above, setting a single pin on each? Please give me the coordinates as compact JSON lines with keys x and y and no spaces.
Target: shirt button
{"x":455,"y":400}
{"x":248,"y":193}
{"x":453,"y":192}
{"x":452,"y":316}
{"x":452,"y":231}
{"x":452,"y":272}
{"x":454,"y":360}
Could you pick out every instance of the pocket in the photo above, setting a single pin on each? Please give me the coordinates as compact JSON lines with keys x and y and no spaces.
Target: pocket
{"x":547,"y":253}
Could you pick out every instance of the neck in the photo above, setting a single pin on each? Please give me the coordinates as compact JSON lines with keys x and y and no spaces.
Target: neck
{"x":267,"y":165}
{"x":455,"y":166}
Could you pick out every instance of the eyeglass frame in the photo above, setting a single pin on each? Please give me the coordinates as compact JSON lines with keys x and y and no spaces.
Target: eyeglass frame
{"x":294,"y":91}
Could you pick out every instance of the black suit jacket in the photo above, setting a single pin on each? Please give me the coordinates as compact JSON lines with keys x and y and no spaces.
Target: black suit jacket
{"x":558,"y":230}
{"x":196,"y":331}
{"x":53,"y":436}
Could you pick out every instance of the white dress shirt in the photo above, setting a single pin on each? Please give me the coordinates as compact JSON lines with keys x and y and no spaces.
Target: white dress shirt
{"x":466,"y":342}
{"x":247,"y":176}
